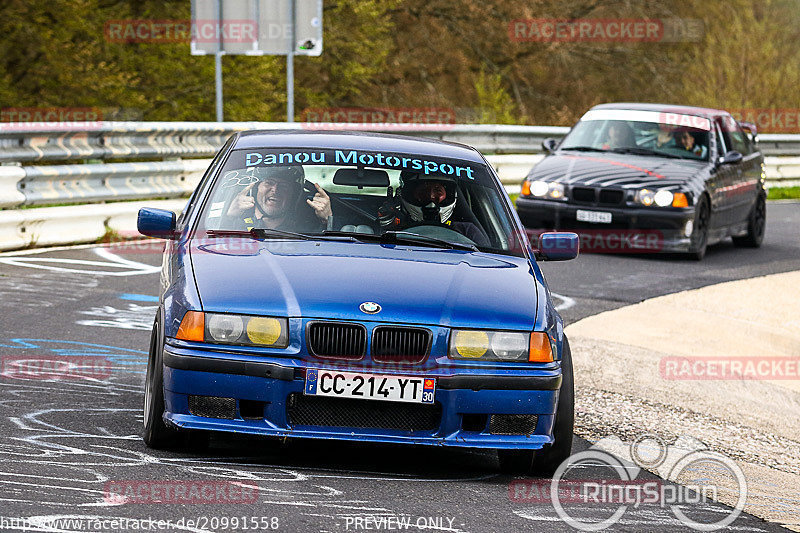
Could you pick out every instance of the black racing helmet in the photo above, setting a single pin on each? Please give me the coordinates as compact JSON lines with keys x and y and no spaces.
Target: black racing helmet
{"x":423,"y":208}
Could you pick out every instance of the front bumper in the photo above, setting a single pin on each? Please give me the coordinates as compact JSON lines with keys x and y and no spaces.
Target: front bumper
{"x":632,"y":229}
{"x":466,"y":397}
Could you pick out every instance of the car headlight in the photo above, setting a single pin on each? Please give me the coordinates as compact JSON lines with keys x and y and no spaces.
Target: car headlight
{"x":545,"y":189}
{"x":500,"y":346}
{"x":661,"y":198}
{"x":243,"y":330}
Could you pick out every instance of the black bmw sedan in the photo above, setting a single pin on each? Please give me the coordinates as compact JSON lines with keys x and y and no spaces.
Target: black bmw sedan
{"x":635,"y":177}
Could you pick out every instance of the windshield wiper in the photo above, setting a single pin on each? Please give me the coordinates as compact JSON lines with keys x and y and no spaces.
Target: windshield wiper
{"x":416,"y":238}
{"x":644,"y":151}
{"x":393,"y":237}
{"x":258,"y":233}
{"x":583,"y":148}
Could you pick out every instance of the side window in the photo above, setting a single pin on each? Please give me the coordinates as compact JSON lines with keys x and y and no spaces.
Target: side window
{"x":722,"y":146}
{"x":739,"y":141}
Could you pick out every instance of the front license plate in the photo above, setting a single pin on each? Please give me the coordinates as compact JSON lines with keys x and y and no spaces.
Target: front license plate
{"x":369,"y":386}
{"x":598,"y":217}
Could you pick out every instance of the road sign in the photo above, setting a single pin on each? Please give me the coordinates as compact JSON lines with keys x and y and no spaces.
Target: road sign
{"x":257,"y":27}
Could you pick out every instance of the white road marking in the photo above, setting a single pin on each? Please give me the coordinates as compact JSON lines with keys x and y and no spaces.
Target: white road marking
{"x":566,"y":301}
{"x":131,"y":268}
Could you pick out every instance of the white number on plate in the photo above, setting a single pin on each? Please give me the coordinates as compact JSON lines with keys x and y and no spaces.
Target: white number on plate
{"x":601,"y":217}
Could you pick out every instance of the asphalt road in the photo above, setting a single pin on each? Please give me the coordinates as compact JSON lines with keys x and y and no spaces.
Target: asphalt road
{"x":67,"y":445}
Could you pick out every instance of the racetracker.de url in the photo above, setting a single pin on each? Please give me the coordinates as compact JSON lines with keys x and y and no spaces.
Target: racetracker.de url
{"x":104,"y":523}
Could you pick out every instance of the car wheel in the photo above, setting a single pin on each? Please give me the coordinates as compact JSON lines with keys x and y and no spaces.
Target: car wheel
{"x":545,"y":461}
{"x":700,"y":232}
{"x":756,"y":225}
{"x":156,"y":433}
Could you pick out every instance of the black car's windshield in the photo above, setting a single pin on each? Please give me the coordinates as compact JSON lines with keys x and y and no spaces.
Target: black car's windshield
{"x":651,"y":133}
{"x":373,"y":197}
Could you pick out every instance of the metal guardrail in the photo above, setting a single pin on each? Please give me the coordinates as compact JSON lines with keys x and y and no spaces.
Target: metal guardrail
{"x":29,"y":175}
{"x":150,"y":140}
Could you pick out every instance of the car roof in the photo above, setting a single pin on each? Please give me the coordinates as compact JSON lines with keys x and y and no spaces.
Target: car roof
{"x":667,"y":108}
{"x":355,"y":140}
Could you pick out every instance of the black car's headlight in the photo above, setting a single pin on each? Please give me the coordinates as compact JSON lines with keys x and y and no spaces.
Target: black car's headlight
{"x":478,"y":344}
{"x":223,"y":328}
{"x":661,"y":198}
{"x":543,"y":189}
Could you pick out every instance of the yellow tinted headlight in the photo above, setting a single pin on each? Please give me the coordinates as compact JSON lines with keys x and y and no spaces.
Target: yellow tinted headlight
{"x":470,"y":344}
{"x":267,"y":331}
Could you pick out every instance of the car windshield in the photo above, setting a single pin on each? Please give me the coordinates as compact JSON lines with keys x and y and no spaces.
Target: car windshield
{"x":362,"y":196}
{"x":671,"y":135}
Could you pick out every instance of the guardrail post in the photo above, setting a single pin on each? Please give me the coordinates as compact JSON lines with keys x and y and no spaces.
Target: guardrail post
{"x":10,"y":176}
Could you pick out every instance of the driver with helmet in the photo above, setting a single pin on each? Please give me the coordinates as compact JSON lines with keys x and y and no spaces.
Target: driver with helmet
{"x":271,"y":201}
{"x":429,"y":199}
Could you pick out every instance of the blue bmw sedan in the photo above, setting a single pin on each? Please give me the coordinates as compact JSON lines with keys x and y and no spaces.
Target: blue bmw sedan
{"x":363,"y":287}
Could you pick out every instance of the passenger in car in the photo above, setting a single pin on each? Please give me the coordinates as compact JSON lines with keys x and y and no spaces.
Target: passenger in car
{"x":271,"y":201}
{"x":689,"y":143}
{"x":430,"y":199}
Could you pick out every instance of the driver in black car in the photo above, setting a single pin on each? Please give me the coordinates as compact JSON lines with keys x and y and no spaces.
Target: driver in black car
{"x":272,"y":201}
{"x":427,"y":200}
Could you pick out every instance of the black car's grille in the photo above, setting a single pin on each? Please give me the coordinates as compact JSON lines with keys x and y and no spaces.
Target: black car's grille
{"x":338,"y":412}
{"x":584,"y":195}
{"x":400,"y":345}
{"x":610,"y":197}
{"x":337,"y":340}
{"x":597,"y":196}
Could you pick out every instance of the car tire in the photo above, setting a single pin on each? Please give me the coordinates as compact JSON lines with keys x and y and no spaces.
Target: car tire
{"x":756,"y":225}
{"x":545,"y":461}
{"x":157,"y":434}
{"x":702,"y":216}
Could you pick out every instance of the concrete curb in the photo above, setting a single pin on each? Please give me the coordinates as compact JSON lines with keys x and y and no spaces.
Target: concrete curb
{"x":624,"y":386}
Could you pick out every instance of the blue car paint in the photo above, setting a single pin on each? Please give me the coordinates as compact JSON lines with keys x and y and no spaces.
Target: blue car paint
{"x":300,"y":277}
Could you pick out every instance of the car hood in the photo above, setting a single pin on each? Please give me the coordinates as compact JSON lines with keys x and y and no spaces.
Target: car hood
{"x":324,"y":279}
{"x":617,"y":170}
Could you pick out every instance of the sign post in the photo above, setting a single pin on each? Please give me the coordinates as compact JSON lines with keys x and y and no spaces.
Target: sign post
{"x":257,"y":27}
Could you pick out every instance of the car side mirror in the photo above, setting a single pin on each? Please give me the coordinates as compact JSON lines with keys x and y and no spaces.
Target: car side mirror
{"x":549,"y":145}
{"x":156,"y":223}
{"x":558,"y":246}
{"x":731,"y":158}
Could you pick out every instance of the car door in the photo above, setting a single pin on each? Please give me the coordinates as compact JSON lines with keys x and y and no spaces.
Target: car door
{"x":723,"y":180}
{"x":744,"y":194}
